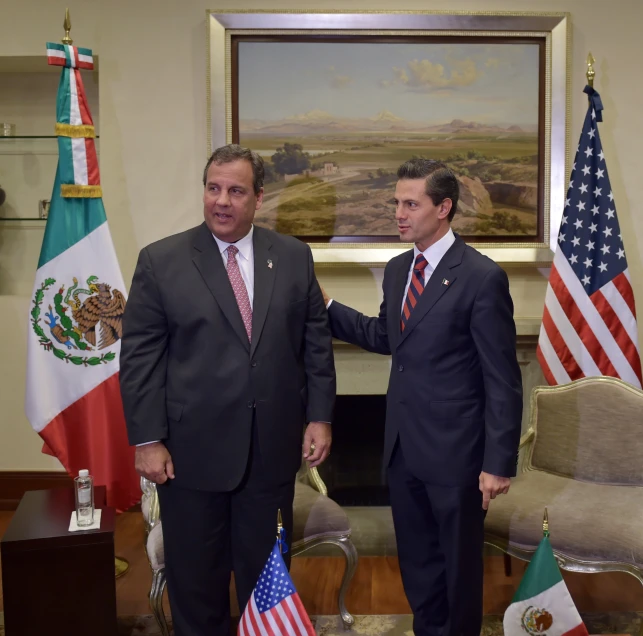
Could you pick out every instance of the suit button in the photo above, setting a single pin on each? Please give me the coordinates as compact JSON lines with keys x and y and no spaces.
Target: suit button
{"x":254,"y":364}
{"x":250,"y":404}
{"x":400,"y":368}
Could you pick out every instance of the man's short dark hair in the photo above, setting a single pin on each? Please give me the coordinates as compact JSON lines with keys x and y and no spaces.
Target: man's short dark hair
{"x":440,"y":184}
{"x":235,"y":152}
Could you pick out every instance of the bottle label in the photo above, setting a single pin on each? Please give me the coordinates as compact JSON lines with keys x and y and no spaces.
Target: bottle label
{"x":84,"y":496}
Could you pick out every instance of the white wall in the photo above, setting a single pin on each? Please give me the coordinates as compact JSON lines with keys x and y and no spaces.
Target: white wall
{"x":152,"y":102}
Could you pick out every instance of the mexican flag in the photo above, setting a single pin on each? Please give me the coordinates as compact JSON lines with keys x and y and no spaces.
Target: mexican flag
{"x":73,"y":397}
{"x":542,"y":604}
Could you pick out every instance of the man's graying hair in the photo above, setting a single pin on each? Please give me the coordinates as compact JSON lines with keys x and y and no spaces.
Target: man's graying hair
{"x":440,"y":182}
{"x":234,"y":152}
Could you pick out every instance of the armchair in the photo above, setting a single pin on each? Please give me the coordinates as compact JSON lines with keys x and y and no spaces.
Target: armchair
{"x":582,"y":459}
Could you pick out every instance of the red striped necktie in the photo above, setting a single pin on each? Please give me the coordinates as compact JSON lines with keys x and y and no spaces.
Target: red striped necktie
{"x":416,"y":288}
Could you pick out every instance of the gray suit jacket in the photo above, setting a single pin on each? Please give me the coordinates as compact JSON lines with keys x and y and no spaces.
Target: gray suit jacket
{"x":190,"y":377}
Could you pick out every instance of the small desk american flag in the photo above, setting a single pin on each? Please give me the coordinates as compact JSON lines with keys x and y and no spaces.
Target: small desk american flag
{"x":275,"y":609}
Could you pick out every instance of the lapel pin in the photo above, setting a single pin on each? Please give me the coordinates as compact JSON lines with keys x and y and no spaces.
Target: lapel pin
{"x":269,"y":263}
{"x":445,"y":282}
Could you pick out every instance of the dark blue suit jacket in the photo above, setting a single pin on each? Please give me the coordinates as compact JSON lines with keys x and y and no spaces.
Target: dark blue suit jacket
{"x":455,"y":391}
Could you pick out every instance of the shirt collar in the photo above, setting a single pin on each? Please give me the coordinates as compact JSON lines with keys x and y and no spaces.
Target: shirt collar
{"x":435,"y":252}
{"x":244,"y":245}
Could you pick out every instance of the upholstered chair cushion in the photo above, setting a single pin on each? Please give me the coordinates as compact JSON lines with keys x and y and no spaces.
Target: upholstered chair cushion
{"x":317,"y":516}
{"x":588,"y":431}
{"x":587,"y":521}
{"x":155,"y":550}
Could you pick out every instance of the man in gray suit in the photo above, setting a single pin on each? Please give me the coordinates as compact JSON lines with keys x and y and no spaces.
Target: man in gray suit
{"x":226,"y":355}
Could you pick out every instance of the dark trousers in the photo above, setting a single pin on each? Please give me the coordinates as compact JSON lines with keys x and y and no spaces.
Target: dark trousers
{"x":207,"y":535}
{"x":439,"y":532}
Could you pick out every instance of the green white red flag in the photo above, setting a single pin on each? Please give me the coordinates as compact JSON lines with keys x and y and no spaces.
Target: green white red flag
{"x":73,"y":397}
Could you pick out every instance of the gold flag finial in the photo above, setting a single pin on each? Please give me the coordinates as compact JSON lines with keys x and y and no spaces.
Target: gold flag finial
{"x":67,"y":27}
{"x":590,"y":69}
{"x":546,"y":524}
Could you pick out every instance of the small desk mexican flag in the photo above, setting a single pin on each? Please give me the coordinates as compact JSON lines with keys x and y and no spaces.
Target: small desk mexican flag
{"x":542,"y":604}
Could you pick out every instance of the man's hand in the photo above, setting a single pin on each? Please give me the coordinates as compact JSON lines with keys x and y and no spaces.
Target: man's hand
{"x":317,"y":441}
{"x":153,"y":462}
{"x":325,"y":295}
{"x":491,"y":486}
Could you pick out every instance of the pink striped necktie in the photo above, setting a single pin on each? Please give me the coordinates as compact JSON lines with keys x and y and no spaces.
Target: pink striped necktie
{"x":239,"y":289}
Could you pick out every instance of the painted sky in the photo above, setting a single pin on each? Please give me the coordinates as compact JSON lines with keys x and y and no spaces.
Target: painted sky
{"x":486,"y":83}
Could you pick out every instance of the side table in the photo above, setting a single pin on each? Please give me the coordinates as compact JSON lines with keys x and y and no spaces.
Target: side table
{"x":57,"y":582}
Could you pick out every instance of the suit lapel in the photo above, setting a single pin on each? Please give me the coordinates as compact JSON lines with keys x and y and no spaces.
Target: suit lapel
{"x":395,"y":309}
{"x":265,"y":271}
{"x":436,"y":287}
{"x":209,"y":262}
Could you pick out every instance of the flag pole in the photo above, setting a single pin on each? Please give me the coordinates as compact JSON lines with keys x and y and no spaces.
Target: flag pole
{"x":121,"y":565}
{"x":545,"y":524}
{"x":280,"y":526}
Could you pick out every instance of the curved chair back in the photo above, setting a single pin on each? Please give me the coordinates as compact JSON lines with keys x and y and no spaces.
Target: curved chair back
{"x":589,"y":430}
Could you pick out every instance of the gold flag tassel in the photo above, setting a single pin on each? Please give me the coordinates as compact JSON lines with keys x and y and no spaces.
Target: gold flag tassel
{"x":73,"y":191}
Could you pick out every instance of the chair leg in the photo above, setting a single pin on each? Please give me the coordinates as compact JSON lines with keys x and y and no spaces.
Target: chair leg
{"x":507,"y":564}
{"x":351,"y":565}
{"x":156,"y":600}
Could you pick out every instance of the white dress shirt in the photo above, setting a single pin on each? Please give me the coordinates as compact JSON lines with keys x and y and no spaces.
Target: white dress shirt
{"x":246,"y":259}
{"x":433,"y":255}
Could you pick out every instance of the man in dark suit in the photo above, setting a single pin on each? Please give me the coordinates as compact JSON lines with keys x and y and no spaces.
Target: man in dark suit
{"x":226,"y":355}
{"x":454,"y":401}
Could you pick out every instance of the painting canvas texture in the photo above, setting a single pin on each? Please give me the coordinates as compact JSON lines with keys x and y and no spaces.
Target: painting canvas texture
{"x":334,"y":120}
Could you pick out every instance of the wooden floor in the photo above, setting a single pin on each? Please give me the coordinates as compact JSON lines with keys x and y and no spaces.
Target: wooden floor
{"x":376,"y":588}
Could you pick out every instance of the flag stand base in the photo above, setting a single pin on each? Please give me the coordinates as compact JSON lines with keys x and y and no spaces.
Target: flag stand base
{"x":121,"y":566}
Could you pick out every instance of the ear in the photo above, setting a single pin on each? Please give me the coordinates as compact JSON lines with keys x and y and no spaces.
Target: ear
{"x":259,"y":199}
{"x":445,"y":208}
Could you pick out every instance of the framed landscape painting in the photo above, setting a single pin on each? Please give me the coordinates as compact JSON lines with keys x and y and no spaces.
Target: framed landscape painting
{"x":335,"y":111}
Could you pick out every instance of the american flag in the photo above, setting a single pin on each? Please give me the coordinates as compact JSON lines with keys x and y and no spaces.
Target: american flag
{"x":589,"y":322}
{"x":275,"y":609}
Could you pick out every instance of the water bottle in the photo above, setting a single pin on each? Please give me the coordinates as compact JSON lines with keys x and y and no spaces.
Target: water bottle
{"x":84,"y":498}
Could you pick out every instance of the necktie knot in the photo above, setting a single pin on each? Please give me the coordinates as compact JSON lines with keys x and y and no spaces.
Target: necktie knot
{"x":420,"y":263}
{"x":232,"y":250}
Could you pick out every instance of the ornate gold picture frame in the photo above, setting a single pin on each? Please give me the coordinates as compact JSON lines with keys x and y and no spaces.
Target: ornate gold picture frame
{"x":340,"y":165}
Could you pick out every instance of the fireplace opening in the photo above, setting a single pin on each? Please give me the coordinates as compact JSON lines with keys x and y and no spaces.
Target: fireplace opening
{"x":353,"y":472}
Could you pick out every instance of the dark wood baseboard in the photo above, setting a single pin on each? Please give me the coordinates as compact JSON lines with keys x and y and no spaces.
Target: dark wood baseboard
{"x":14,"y":484}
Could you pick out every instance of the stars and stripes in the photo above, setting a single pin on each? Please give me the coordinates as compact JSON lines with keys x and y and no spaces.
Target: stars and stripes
{"x":589,"y":322}
{"x":416,"y":287}
{"x":275,"y":609}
